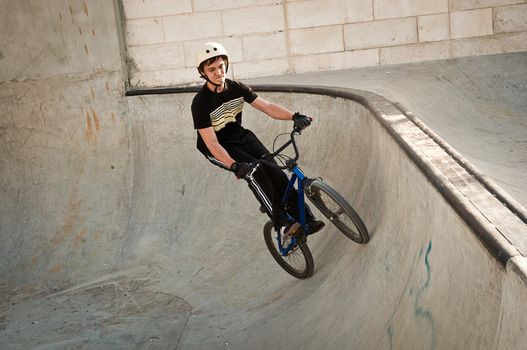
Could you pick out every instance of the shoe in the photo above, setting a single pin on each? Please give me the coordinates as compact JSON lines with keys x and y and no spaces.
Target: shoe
{"x":316,"y":225}
{"x":292,"y":229}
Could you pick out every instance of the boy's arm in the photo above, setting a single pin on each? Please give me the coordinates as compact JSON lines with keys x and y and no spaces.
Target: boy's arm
{"x":272,"y":109}
{"x":211,"y":141}
{"x":278,"y":112}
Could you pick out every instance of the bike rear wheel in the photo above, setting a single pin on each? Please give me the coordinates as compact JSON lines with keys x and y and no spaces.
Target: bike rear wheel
{"x":337,"y":209}
{"x":298,"y":262}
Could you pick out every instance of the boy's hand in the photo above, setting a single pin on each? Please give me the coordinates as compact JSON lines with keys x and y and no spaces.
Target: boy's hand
{"x":301,"y":121}
{"x":240,"y":169}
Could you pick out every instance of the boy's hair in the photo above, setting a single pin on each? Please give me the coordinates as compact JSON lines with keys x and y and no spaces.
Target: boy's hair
{"x":211,"y":61}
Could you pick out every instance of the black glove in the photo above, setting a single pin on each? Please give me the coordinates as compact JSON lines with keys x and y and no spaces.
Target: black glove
{"x":240,"y":169}
{"x":301,"y":121}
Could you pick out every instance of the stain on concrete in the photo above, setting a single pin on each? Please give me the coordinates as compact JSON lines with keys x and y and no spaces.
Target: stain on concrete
{"x":72,"y":218}
{"x":88,"y":133}
{"x":96,"y":120}
{"x":85,"y":8}
{"x":126,"y":311}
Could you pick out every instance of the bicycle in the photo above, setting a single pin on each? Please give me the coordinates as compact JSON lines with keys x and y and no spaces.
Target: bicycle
{"x":291,"y":252}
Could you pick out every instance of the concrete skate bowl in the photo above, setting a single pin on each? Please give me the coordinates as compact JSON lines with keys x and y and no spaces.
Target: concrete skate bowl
{"x":122,"y":236}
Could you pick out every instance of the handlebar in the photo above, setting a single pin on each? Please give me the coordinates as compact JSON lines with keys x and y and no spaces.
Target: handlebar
{"x":290,"y":163}
{"x":285,"y":145}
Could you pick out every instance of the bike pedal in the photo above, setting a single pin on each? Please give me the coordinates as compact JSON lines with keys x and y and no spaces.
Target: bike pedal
{"x":293,"y":230}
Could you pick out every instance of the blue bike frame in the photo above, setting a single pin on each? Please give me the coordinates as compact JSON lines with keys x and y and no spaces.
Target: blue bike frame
{"x":298,"y":177}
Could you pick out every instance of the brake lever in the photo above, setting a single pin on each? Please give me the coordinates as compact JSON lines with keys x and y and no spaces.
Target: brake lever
{"x":250,"y":176}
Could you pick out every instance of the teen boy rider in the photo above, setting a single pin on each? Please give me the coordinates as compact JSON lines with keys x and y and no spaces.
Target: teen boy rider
{"x":217,"y":113}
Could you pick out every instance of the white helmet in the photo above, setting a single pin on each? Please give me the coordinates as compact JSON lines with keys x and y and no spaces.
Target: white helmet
{"x":209,"y":50}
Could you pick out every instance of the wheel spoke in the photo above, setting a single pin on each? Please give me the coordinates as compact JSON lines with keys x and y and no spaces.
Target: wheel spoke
{"x":338,"y":211}
{"x":298,"y":262}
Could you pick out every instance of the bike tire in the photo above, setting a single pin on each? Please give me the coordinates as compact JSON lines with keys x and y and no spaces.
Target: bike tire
{"x":339,"y":212}
{"x":298,"y":263}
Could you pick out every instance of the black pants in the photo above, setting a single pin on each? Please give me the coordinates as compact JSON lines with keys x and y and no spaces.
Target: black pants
{"x":269,"y":183}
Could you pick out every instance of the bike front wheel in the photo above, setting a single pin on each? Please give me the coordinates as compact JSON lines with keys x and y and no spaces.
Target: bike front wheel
{"x":298,"y":262}
{"x":337,"y":209}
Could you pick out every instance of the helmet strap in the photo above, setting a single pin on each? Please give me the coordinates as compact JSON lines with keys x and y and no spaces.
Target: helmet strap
{"x":216,"y":86}
{"x":207,"y":79}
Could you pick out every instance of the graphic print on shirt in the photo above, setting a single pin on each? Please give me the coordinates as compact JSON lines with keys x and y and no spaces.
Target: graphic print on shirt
{"x":226,"y":113}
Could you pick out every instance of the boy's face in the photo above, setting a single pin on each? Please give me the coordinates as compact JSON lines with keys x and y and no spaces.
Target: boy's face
{"x":216,"y":71}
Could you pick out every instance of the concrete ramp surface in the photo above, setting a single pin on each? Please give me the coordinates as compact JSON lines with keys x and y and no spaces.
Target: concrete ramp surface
{"x":117,"y":234}
{"x":132,"y":240}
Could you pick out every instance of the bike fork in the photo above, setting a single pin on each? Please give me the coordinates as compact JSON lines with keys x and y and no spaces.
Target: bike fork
{"x":299,"y":178}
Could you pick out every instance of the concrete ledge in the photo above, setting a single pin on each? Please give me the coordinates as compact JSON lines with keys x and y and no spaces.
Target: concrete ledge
{"x":518,"y":264}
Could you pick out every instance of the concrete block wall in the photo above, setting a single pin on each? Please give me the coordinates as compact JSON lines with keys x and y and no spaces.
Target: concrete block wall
{"x":274,"y":37}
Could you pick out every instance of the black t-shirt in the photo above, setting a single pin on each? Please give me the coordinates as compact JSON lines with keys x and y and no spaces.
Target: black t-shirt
{"x":223,"y":112}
